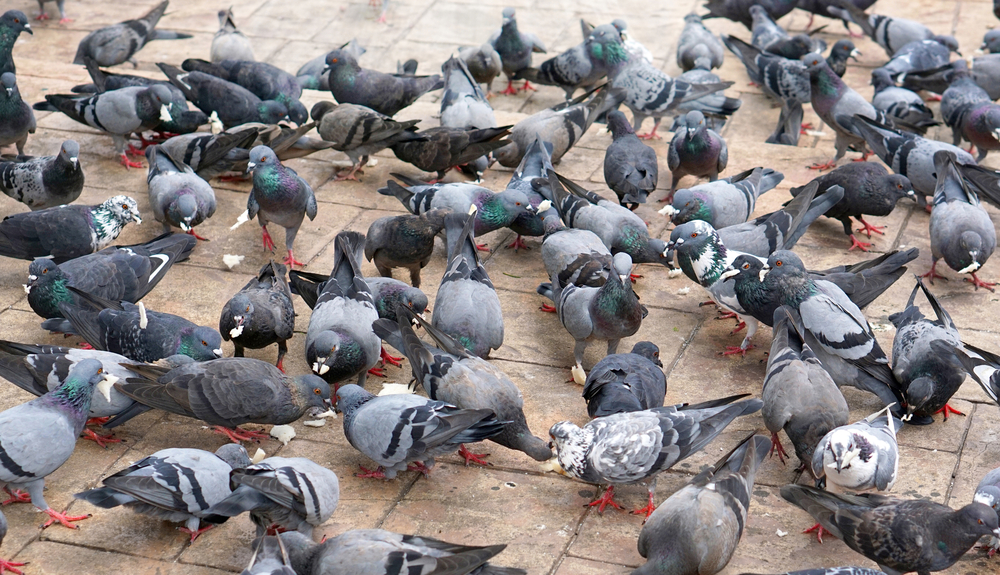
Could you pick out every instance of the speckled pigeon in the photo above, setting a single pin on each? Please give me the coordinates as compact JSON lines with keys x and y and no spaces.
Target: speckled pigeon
{"x":723,"y":203}
{"x":118,"y":43}
{"x":12,"y":23}
{"x":279,"y":195}
{"x":385,"y":93}
{"x":696,"y":151}
{"x":623,"y":382}
{"x":697,"y":46}
{"x":515,"y":49}
{"x":44,"y":182}
{"x":227,"y":102}
{"x":264,"y":80}
{"x":404,"y":242}
{"x":739,"y":10}
{"x":862,"y":456}
{"x":261,"y":313}
{"x":178,"y":196}
{"x":359,"y":132}
{"x":16,"y":118}
{"x":229,"y":43}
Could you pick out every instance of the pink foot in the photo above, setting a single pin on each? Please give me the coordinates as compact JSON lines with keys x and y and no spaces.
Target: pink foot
{"x":377,"y":372}
{"x":776,"y":447}
{"x":129,"y":163}
{"x":652,"y":135}
{"x":42,"y":16}
{"x":634,"y":277}
{"x":195,"y":533}
{"x":63,"y":519}
{"x":608,"y":498}
{"x":419,"y":466}
{"x":870,"y":229}
{"x":978,"y":283}
{"x":856,"y":243}
{"x":476,"y":458}
{"x":266,"y":238}
{"x":238,"y":435}
{"x":102,"y":440}
{"x":483,"y":247}
{"x":864,"y":156}
{"x":819,"y":532}
{"x":191,"y":232}
{"x":934,"y":98}
{"x":827,"y":166}
{"x":16,"y":496}
{"x":948,"y":409}
{"x":527,"y":86}
{"x":734,"y":350}
{"x":647,"y":510}
{"x":98,"y":420}
{"x":291,"y":262}
{"x":804,"y":127}
{"x":11,"y":566}
{"x":518,"y":244}
{"x":391,"y":360}
{"x":547,"y":308}
{"x":510,"y":90}
{"x":933,"y":274}
{"x":85,"y":345}
{"x":739,"y":327}
{"x":366,"y":473}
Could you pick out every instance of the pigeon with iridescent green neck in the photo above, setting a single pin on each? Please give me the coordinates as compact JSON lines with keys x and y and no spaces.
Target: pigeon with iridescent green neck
{"x":16,"y":118}
{"x":722,"y":203}
{"x":12,"y":23}
{"x":279,"y":195}
{"x":515,"y":48}
{"x":44,"y":182}
{"x":231,"y":103}
{"x":266,"y":81}
{"x":385,"y":93}
{"x":696,"y":151}
{"x":66,"y":232}
{"x":575,"y":68}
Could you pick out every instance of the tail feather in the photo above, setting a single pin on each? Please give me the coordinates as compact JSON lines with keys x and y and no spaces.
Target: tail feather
{"x":168,"y":35}
{"x":104,"y":497}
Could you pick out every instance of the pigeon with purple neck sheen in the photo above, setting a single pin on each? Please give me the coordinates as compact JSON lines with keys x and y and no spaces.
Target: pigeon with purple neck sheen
{"x":630,"y":167}
{"x":385,"y":93}
{"x":44,"y":182}
{"x":981,"y":127}
{"x":988,"y":493}
{"x":278,"y":195}
{"x":261,"y":313}
{"x":722,"y":203}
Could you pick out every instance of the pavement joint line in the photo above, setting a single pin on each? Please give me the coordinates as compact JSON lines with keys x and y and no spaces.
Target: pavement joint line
{"x":396,"y":501}
{"x":961,"y":450}
{"x":684,"y":345}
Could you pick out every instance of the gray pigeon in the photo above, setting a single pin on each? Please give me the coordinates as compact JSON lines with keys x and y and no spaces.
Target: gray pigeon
{"x":6,"y":565}
{"x":463,"y":104}
{"x":608,"y":313}
{"x":716,"y":107}
{"x":531,"y":173}
{"x":270,"y":557}
{"x":979,"y":363}
{"x":224,"y":101}
{"x":44,"y":182}
{"x":483,"y":63}
{"x":906,"y":109}
{"x":929,"y":379}
{"x":340,"y":343}
{"x":12,"y":23}
{"x":261,"y":313}
{"x":889,"y":33}
{"x":515,"y":48}
{"x":988,"y":493}
{"x":630,"y":167}
{"x":177,"y":485}
{"x":290,"y":493}
{"x":440,"y":149}
{"x":722,"y":203}
{"x":842,"y":51}
{"x":862,"y":456}
{"x":961,"y":230}
{"x":278,"y":195}
{"x":378,"y":552}
{"x":229,"y":392}
{"x":178,"y":196}
{"x":894,"y":532}
{"x":37,"y":437}
{"x":16,"y":118}
{"x":961,"y":96}
{"x":831,"y":571}
{"x":359,"y":132}
{"x":633,"y":447}
{"x":921,"y":56}
{"x":213,"y":155}
{"x":799,"y":395}
{"x":574,"y":256}
{"x":66,"y":232}
{"x":267,"y":82}
{"x":697,"y":47}
{"x":396,"y":431}
{"x":385,"y":93}
{"x":118,"y":43}
{"x":404,"y":242}
{"x":623,"y":382}
{"x":314,"y":75}
{"x":696,"y":530}
{"x":773,"y":39}
{"x":739,"y":10}
{"x":991,"y":42}
{"x":449,"y":373}
{"x":578,"y":67}
{"x":229,"y":43}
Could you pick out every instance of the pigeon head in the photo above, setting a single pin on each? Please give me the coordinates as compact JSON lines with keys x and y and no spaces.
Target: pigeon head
{"x":918,"y":393}
{"x":70,"y":152}
{"x":843,"y":448}
{"x":759,"y":13}
{"x":618,"y":124}
{"x":814,"y":62}
{"x":785,"y":261}
{"x":694,"y":18}
{"x":656,"y":252}
{"x":42,"y":271}
{"x":843,"y":50}
{"x":991,"y":41}
{"x":201,"y":343}
{"x":571,"y":443}
{"x":414,"y":299}
{"x":621,"y":26}
{"x":979,"y":519}
{"x":900,"y":186}
{"x":514,"y":202}
{"x":988,"y":495}
{"x":324,"y":351}
{"x":262,"y":156}
{"x":321,"y":109}
{"x":622,"y":263}
{"x":78,"y":388}
{"x":690,"y":205}
{"x":301,"y":550}
{"x":9,"y":82}
{"x":297,"y":112}
{"x":272,"y":111}
{"x":702,"y":63}
{"x":508,"y":15}
{"x":606,"y":46}
{"x":350,"y":397}
{"x":315,"y":392}
{"x":948,"y":41}
{"x":341,"y":60}
{"x":694,"y":239}
{"x":972,"y":244}
{"x":648,"y":350}
{"x":881,"y":79}
{"x":744,"y":267}
{"x":124,"y":209}
{"x":184,"y":209}
{"x":234,"y":454}
{"x":242,"y":310}
{"x":16,"y":22}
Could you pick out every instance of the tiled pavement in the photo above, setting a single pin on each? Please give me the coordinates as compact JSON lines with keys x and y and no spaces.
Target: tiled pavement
{"x":540,"y":516}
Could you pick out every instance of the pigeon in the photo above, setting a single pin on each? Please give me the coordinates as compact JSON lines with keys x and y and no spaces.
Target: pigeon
{"x":632,"y":447}
{"x":697,"y":47}
{"x":624,"y":382}
{"x":212,"y":155}
{"x":66,"y":232}
{"x":467,"y":307}
{"x":697,"y":151}
{"x":261,"y":313}
{"x":928,"y":379}
{"x":799,"y":396}
{"x":630,"y":167}
{"x":379,"y":552}
{"x":175,"y":484}
{"x":6,"y":565}
{"x":889,"y":33}
{"x":981,"y":127}
{"x":292,"y":493}
{"x":961,"y":230}
{"x":578,"y":67}
{"x":118,"y":43}
{"x":133,"y":331}
{"x":279,"y":195}
{"x":991,"y":42}
{"x":398,"y":430}
{"x":904,"y":108}
{"x":842,"y":51}
{"x":921,"y":56}
{"x":562,"y":126}
{"x":722,"y":203}
{"x":483,"y":63}
{"x":449,"y":373}
{"x":441,"y":149}
{"x":315,"y":75}
{"x":229,"y":392}
{"x":387,"y":94}
{"x":716,"y":107}
{"x":463,"y":104}
{"x":980,"y":364}
{"x":862,"y":456}
{"x":223,"y":101}
{"x":359,"y":132}
{"x":739,"y":10}
{"x":831,"y":571}
{"x":270,"y":557}
{"x":894,"y":532}
{"x":962,"y":96}
{"x":12,"y":23}
{"x":267,"y":82}
{"x":608,"y":313}
{"x":988,"y":493}
{"x":531,"y":173}
{"x":868,"y":190}
{"x":773,"y":39}
{"x":696,"y":530}
{"x":37,"y":437}
{"x":118,"y":113}
{"x":340,"y":343}
{"x":116,"y":273}
{"x":44,"y":182}
{"x":229,"y":43}
{"x":178,"y":196}
{"x":515,"y":49}
{"x":405,"y":241}
{"x":574,"y":256}
{"x":16,"y":117}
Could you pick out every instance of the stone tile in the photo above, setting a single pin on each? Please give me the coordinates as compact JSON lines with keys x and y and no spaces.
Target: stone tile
{"x":575,"y":566}
{"x":52,"y":558}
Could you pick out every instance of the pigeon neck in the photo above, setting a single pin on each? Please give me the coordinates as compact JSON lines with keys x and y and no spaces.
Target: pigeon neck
{"x":74,"y":396}
{"x":613,"y":54}
{"x":796,"y":288}
{"x":10,"y":104}
{"x":707,"y":264}
{"x":826,"y":84}
{"x":635,"y":242}
{"x":494,"y":213}
{"x":107,"y":225}
{"x":45,"y":296}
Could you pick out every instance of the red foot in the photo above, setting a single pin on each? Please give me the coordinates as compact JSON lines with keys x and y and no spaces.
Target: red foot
{"x":476,"y":458}
{"x":351,"y":174}
{"x":647,"y":510}
{"x":381,"y":19}
{"x":129,"y":163}
{"x":42,"y":16}
{"x":133,"y":151}
{"x":483,"y":247}
{"x":266,"y":238}
{"x":827,"y":166}
{"x":527,"y":86}
{"x":634,"y":277}
{"x":291,"y":262}
{"x":978,"y":283}
{"x":510,"y":90}
{"x":391,"y":360}
{"x":98,"y":420}
{"x":804,"y":127}
{"x":734,"y":350}
{"x":281,"y":366}
{"x":85,"y":345}
{"x":608,"y":498}
{"x":419,"y":466}
{"x":819,"y":532}
{"x":366,"y":473}
{"x":933,"y":98}
{"x":933,"y":274}
{"x":722,"y":314}
{"x":856,"y":243}
{"x":518,"y":244}
{"x":377,"y":371}
{"x":273,"y":530}
{"x":739,"y":327}
{"x":870,"y":229}
{"x":650,"y":136}
{"x":972,"y":149}
{"x":16,"y":496}
{"x":63,"y":519}
{"x":191,"y":232}
{"x":547,"y":308}
{"x":195,"y":533}
{"x":11,"y":566}
{"x":102,"y":440}
{"x":948,"y":409}
{"x":776,"y":447}
{"x":864,"y":156}
{"x":238,"y":435}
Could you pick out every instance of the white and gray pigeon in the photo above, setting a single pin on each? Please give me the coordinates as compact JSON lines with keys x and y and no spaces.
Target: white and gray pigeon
{"x":379,"y":552}
{"x":396,"y":431}
{"x":178,"y":196}
{"x":862,"y":456}
{"x":988,"y":493}
{"x":229,"y":43}
{"x":722,"y":203}
{"x":16,"y":118}
{"x":515,"y":49}
{"x":45,"y":181}
{"x":623,"y":382}
{"x":888,"y":32}
{"x":961,"y":231}
{"x":634,"y":447}
{"x":634,"y":48}
{"x":261,"y":313}
{"x":695,"y":150}
{"x":696,"y":530}
{"x":279,"y":195}
{"x":118,"y":43}
{"x":176,"y":485}
{"x":270,"y":557}
{"x":290,"y":493}
{"x":463,"y":104}
{"x":630,"y":167}
{"x":906,"y":109}
{"x":697,"y":46}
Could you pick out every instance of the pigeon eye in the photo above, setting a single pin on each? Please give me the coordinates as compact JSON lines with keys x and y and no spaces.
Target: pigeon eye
{"x":204,"y":343}
{"x":335,"y":60}
{"x":101,"y":370}
{"x":746,"y":266}
{"x":694,"y":234}
{"x":317,"y":391}
{"x":517,"y":203}
{"x":777,"y":264}
{"x":45,"y":271}
{"x":248,"y":308}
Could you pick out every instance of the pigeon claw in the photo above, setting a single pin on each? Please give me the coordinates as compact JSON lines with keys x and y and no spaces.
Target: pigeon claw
{"x":291,"y":262}
{"x":102,"y":440}
{"x":63,"y":519}
{"x":518,"y":244}
{"x":737,"y":350}
{"x":547,"y":308}
{"x":856,"y":243}
{"x":377,"y":473}
{"x":647,"y":510}
{"x":266,"y":238}
{"x":978,"y":283}
{"x":948,"y":409}
{"x":606,"y":499}
{"x":391,"y":360}
{"x":819,"y":532}
{"x":377,"y":371}
{"x":804,"y":127}
{"x":419,"y":466}
{"x":934,"y":275}
{"x":11,"y":566}
{"x":483,"y":247}
{"x":651,"y":135}
{"x":633,"y":277}
{"x":42,"y":16}
{"x":476,"y":458}
{"x":527,"y":86}
{"x":869,"y":228}
{"x":191,"y":232}
{"x":864,"y":156}
{"x":237,"y":435}
{"x":85,"y":345}
{"x":194,"y":533}
{"x":776,"y":447}
{"x":129,"y":163}
{"x":739,"y":327}
{"x":351,"y":174}
{"x":16,"y":496}
{"x":933,"y":98}
{"x":722,"y":314}
{"x":827,"y":166}
{"x":510,"y":90}
{"x":98,"y":420}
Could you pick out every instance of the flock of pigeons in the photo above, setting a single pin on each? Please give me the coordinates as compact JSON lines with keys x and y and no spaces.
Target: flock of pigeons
{"x":137,"y":359}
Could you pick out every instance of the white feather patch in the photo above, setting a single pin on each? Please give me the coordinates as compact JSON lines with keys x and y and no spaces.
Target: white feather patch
{"x":283,"y":433}
{"x":970,"y":268}
{"x":143,"y":320}
{"x":668,"y":211}
{"x":395,"y":389}
{"x":676,"y":272}
{"x":544,"y":206}
{"x":684,"y":291}
{"x":232,"y":261}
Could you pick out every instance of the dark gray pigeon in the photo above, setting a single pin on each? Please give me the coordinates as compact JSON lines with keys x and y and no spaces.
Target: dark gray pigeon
{"x":716,"y":107}
{"x":178,"y":196}
{"x":842,"y":51}
{"x":483,"y":63}
{"x":314,"y":75}
{"x":118,"y":43}
{"x":578,"y":67}
{"x":862,"y":456}
{"x":696,"y":530}
{"x":385,"y":93}
{"x":630,"y":167}
{"x":991,"y":42}
{"x":212,"y":155}
{"x":739,"y":10}
{"x":906,"y":109}
{"x":623,"y":382}
{"x":177,"y":485}
{"x":225,"y":102}
{"x":961,"y":96}
{"x":634,"y":447}
{"x":261,"y":313}
{"x":697,"y":47}
{"x":12,"y":23}
{"x":695,"y":151}
{"x":463,"y":104}
{"x":773,"y":39}
{"x":16,"y":118}
{"x":893,"y":532}
{"x":291,"y":493}
{"x":396,"y":431}
{"x":441,"y":149}
{"x":831,"y":571}
{"x":229,"y":43}
{"x":722,"y":203}
{"x":278,"y":195}
{"x":574,"y":256}
{"x":265,"y":81}
{"x":978,"y":363}
{"x":921,"y":56}
{"x":404,"y":242}
{"x":359,"y":132}
{"x":889,"y":33}
{"x":44,"y":182}
{"x":66,"y":232}
{"x":531,"y":173}
{"x":515,"y":49}
{"x":981,"y":127}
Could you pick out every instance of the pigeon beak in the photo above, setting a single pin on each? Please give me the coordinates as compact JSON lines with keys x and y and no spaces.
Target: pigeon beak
{"x":32,"y":278}
{"x":165,"y":113}
{"x":217,"y":352}
{"x":996,"y":532}
{"x":74,"y":160}
{"x":27,"y":28}
{"x":320,"y":366}
{"x":250,"y":166}
{"x":763,"y":272}
{"x":10,"y":91}
{"x":105,"y":386}
{"x":729,"y":274}
{"x":854,"y":54}
{"x":623,"y":277}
